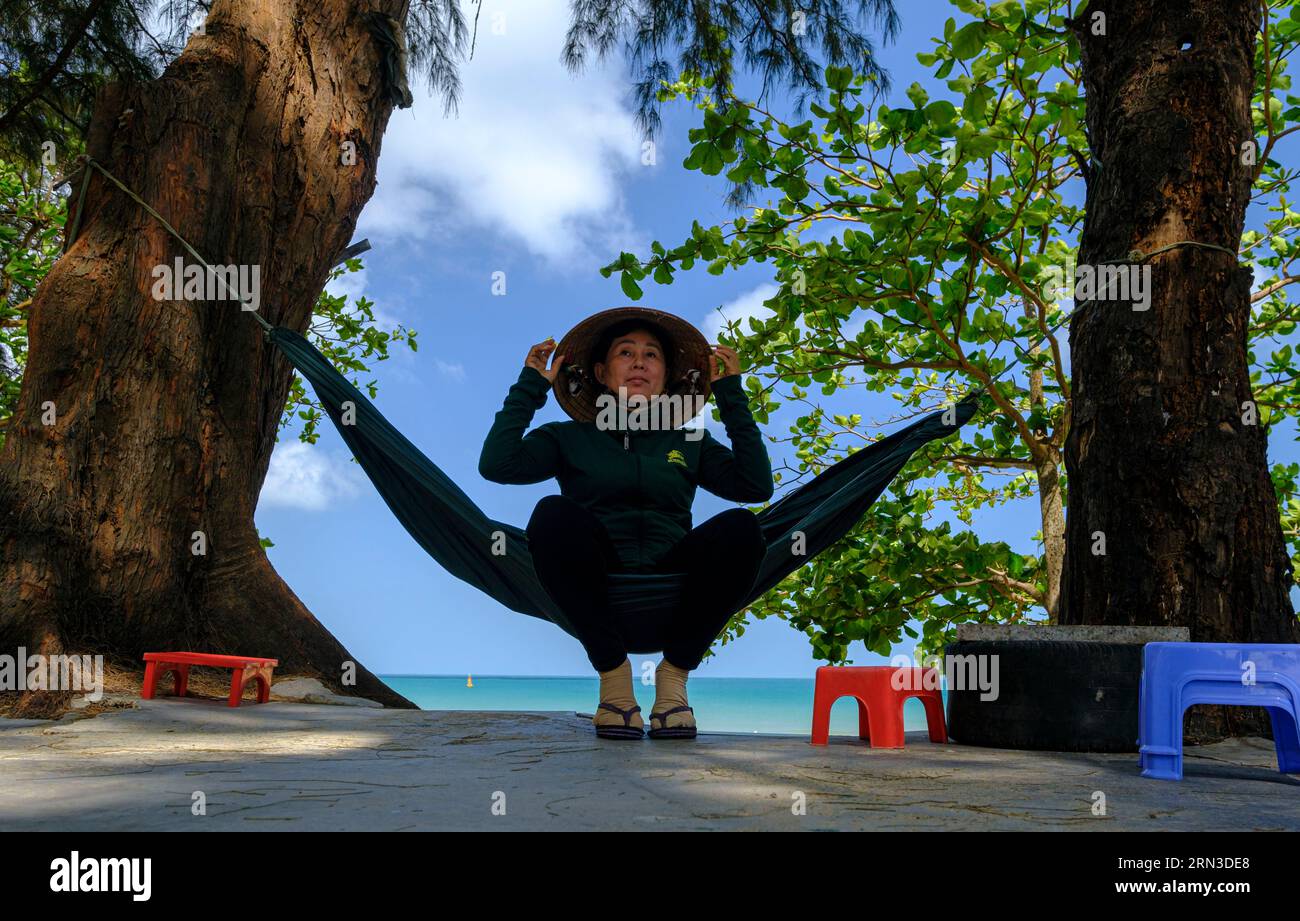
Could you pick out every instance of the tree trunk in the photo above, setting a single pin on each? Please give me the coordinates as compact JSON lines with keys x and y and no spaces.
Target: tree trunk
{"x":1051,"y":506}
{"x":1172,"y":515}
{"x":1052,"y":513}
{"x":167,"y":410}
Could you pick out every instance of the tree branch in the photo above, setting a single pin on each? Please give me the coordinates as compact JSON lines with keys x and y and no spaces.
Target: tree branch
{"x":1273,"y":288}
{"x":973,"y":460}
{"x":78,"y":33}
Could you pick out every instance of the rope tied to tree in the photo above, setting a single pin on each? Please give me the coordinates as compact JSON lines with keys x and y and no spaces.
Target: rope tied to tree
{"x":1135,"y":256}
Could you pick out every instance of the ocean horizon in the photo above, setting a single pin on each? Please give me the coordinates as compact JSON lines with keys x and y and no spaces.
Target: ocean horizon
{"x":775,"y":706}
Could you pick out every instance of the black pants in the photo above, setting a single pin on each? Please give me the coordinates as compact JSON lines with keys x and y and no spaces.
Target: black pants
{"x":573,"y":557}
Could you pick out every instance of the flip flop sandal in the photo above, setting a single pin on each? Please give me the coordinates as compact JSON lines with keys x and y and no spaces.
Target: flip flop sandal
{"x":626,"y":731}
{"x":671,"y":732}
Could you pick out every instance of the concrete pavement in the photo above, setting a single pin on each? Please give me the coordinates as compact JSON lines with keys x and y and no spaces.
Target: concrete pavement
{"x":296,"y":766}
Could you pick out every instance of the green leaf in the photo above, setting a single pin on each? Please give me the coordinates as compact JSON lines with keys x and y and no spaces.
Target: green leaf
{"x":838,"y":78}
{"x":968,"y":40}
{"x":941,"y":112}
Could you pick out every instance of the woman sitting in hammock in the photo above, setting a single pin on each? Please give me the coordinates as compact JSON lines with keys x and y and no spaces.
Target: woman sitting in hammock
{"x":626,"y":492}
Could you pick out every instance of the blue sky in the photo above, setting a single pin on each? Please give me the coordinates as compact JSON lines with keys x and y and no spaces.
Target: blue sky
{"x":539,"y":176}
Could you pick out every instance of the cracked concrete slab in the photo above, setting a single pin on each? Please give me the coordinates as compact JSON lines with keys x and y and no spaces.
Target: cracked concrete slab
{"x":287,"y":766}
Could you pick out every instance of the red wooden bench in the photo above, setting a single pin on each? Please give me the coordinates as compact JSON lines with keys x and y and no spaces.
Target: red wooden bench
{"x":243,"y":670}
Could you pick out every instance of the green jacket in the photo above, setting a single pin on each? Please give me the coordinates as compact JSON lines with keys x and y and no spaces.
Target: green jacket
{"x":639,"y":484}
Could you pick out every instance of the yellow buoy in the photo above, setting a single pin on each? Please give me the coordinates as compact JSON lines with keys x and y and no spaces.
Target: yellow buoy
{"x":469,"y":681}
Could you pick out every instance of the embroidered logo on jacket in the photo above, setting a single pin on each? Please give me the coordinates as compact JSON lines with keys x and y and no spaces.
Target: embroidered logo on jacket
{"x":675,"y":457}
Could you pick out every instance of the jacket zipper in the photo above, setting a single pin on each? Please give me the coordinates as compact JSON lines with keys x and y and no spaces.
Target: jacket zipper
{"x":640,"y":515}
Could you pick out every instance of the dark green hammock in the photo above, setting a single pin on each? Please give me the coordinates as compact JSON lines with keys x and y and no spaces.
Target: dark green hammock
{"x":456,"y":533}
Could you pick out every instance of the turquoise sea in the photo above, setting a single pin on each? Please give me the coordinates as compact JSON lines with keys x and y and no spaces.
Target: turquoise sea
{"x":757,"y":705}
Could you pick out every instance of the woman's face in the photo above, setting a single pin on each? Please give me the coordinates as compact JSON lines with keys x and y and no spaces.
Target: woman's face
{"x":635,"y":361}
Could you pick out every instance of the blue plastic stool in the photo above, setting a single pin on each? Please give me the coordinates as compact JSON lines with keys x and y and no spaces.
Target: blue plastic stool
{"x":1176,"y":676}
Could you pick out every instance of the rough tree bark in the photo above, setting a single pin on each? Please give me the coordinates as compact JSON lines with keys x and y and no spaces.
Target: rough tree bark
{"x":1052,"y":514}
{"x":1159,"y":457}
{"x":166,"y":410}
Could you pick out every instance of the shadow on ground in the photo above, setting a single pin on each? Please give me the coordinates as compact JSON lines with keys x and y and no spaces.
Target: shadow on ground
{"x":315,"y":767}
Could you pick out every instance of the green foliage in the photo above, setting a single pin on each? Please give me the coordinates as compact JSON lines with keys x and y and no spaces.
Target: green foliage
{"x":1273,"y":247}
{"x":773,"y":38}
{"x":30,"y":240}
{"x":58,"y":53}
{"x":948,"y":216}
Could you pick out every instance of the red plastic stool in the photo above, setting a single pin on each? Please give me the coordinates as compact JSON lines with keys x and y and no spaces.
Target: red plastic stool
{"x":880,"y":703}
{"x":243,"y":670}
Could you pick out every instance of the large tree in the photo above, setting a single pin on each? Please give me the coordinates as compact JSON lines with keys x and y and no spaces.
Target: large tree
{"x":1172,"y":516}
{"x":144,"y":427}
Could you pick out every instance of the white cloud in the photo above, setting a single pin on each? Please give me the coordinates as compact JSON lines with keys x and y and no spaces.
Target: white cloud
{"x":350,"y":284}
{"x":747,"y":305}
{"x":453,"y":370}
{"x":533,"y":154}
{"x":307,"y":477}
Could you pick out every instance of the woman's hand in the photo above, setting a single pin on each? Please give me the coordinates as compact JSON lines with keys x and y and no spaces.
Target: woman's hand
{"x":537,"y":356}
{"x":729,"y":359}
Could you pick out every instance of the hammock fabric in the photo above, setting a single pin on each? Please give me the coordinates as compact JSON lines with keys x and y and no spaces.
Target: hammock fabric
{"x":456,"y":533}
